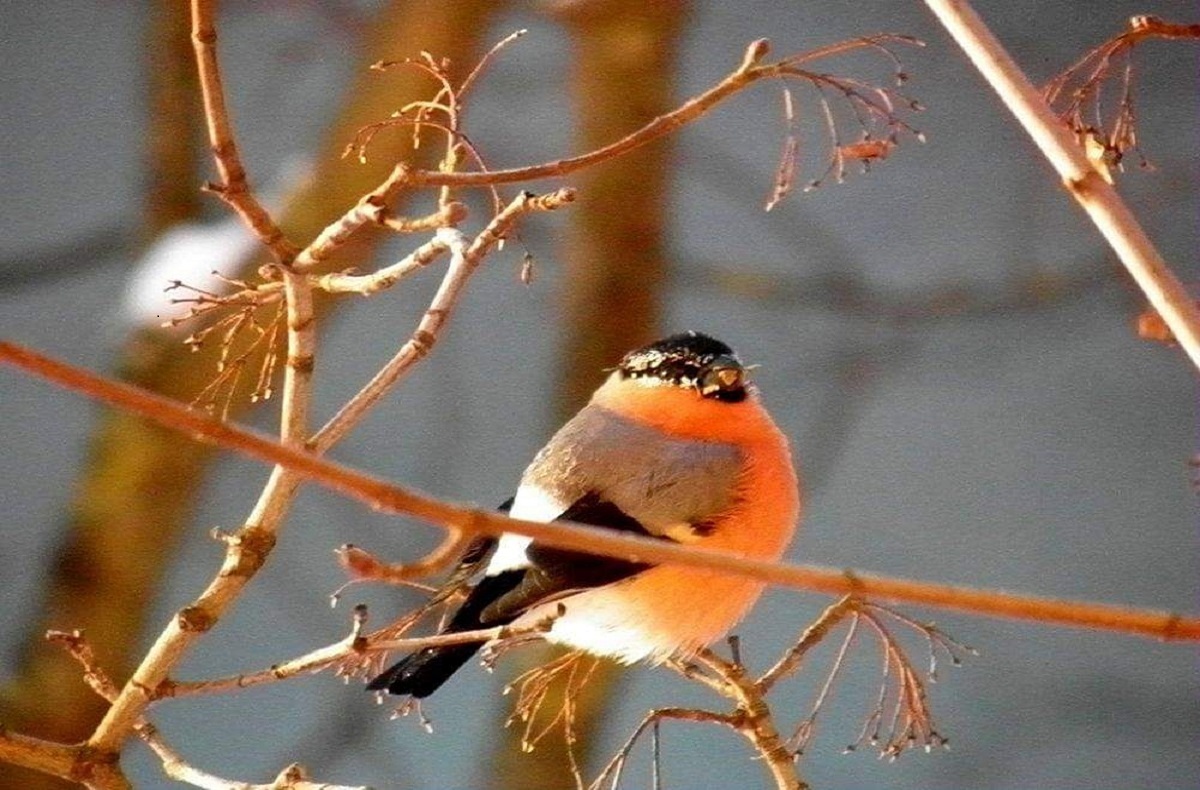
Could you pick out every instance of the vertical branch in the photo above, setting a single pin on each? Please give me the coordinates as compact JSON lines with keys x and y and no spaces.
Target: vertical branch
{"x":248,"y":548}
{"x":754,"y":719}
{"x":296,"y":399}
{"x":1101,"y":202}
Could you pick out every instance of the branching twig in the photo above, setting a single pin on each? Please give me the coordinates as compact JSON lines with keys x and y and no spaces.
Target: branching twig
{"x":901,"y":705}
{"x":753,"y":719}
{"x":352,"y":656}
{"x":293,"y":777}
{"x":750,"y":70}
{"x":533,"y":689}
{"x":465,"y":258}
{"x":611,"y":773}
{"x":371,"y":208}
{"x":873,"y":107}
{"x":790,"y":661}
{"x":1082,"y":86}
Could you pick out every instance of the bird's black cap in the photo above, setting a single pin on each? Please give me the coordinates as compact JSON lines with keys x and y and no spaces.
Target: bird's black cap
{"x":692,"y":360}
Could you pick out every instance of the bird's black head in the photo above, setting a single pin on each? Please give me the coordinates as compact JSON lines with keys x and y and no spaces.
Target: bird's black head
{"x":689,"y":360}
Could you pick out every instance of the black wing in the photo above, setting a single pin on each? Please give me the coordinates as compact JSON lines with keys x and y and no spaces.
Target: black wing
{"x":499,"y":599}
{"x":554,"y":572}
{"x":473,"y":560}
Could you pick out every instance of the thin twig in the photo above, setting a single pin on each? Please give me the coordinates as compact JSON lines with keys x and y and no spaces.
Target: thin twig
{"x":790,"y":660}
{"x":611,"y":773}
{"x":369,"y":284}
{"x":1080,"y":178}
{"x":293,"y":777}
{"x":1109,"y":138}
{"x":806,"y":728}
{"x":450,"y":549}
{"x":464,"y":259}
{"x":749,"y":71}
{"x":390,"y":498}
{"x":233,"y":188}
{"x":371,"y":208}
{"x":322,"y":658}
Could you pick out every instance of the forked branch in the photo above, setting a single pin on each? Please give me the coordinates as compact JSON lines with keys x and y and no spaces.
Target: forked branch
{"x":1083,"y":94}
{"x":293,"y":777}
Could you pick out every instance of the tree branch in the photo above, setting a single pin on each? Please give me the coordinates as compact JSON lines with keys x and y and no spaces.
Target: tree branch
{"x":233,"y":188}
{"x":464,"y":259}
{"x":246,"y":551}
{"x":386,"y":497}
{"x":73,"y":763}
{"x":753,"y":719}
{"x":293,"y":777}
{"x":749,"y":71}
{"x":350,"y":648}
{"x":790,"y":661}
{"x":1081,"y":180}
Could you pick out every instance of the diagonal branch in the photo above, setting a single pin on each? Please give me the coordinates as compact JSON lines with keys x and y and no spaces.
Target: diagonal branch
{"x":748,"y":72}
{"x":293,"y":777}
{"x":790,"y":660}
{"x":387,"y":497}
{"x":464,"y":260}
{"x":1084,"y":183}
{"x":753,"y":719}
{"x":234,"y":188}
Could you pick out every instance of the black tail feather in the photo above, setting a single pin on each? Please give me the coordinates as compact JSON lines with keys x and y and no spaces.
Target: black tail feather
{"x":423,"y":672}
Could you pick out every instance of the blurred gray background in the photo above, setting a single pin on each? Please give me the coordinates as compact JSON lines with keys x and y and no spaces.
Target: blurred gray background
{"x":946,"y":340}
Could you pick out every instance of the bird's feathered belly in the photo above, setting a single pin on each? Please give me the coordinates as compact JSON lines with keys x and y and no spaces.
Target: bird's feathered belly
{"x":676,"y":610}
{"x":633,"y":620}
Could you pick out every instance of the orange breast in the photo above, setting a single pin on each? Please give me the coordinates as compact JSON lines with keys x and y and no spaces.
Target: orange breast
{"x":671,"y":609}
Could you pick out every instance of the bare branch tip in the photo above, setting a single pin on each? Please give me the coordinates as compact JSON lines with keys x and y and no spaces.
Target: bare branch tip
{"x":755,"y":52}
{"x":1141,"y":22}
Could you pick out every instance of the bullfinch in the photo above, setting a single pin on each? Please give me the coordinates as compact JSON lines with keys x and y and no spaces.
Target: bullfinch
{"x":675,"y":445}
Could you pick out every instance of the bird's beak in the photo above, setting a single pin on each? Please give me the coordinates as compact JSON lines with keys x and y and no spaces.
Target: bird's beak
{"x":724,"y":373}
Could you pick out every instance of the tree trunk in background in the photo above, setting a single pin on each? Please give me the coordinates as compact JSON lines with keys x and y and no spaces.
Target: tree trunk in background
{"x":137,"y":491}
{"x":175,"y":121}
{"x":623,"y":68}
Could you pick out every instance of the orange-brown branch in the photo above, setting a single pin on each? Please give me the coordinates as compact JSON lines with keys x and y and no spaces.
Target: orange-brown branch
{"x":387,"y":497}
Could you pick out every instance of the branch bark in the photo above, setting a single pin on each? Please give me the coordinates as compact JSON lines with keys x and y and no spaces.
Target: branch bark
{"x":1082,"y":181}
{"x":117,"y":538}
{"x":386,"y":497}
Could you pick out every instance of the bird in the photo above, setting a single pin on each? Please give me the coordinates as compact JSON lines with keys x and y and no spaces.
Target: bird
{"x":675,"y":445}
